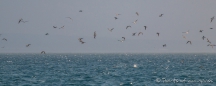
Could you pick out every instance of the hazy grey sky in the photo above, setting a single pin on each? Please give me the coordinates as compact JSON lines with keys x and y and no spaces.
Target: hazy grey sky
{"x":98,"y":15}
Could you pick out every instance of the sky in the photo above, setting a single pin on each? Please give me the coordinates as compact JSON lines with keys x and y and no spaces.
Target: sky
{"x":98,"y":15}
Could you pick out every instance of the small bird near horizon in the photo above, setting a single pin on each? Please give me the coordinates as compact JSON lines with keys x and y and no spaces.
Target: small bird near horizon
{"x":201,"y":31}
{"x":115,"y":18}
{"x":21,"y":20}
{"x":189,"y":42}
{"x":43,"y":52}
{"x":203,"y":37}
{"x":135,"y":21}
{"x":164,"y":45}
{"x":54,"y":26}
{"x":4,"y":39}
{"x":212,"y":45}
{"x":110,"y":29}
{"x":28,"y":45}
{"x":145,"y":27}
{"x":128,"y":27}
{"x":94,"y":34}
{"x":161,"y":15}
{"x":80,"y":40}
{"x":158,"y":34}
{"x":80,"y":10}
{"x":137,"y":13}
{"x":212,"y":18}
{"x":208,"y":41}
{"x":140,"y":33}
{"x":122,"y":40}
{"x":61,"y":27}
{"x":211,"y":28}
{"x":47,"y":34}
{"x":133,"y":34}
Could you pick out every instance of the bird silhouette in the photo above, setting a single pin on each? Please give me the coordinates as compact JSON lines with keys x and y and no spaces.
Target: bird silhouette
{"x":135,"y":21}
{"x":61,"y":27}
{"x":133,"y":34}
{"x":4,"y":39}
{"x":201,"y":31}
{"x":160,"y":15}
{"x":140,"y":33}
{"x":186,"y":32}
{"x":80,"y":40}
{"x":128,"y":27}
{"x":47,"y":34}
{"x":164,"y":45}
{"x":123,"y":38}
{"x":137,"y":13}
{"x":115,"y":18}
{"x":94,"y":34}
{"x":110,"y":29}
{"x":28,"y":45}
{"x":80,"y":10}
{"x":189,"y":42}
{"x":203,"y":37}
{"x":158,"y":34}
{"x":212,"y":18}
{"x":43,"y":52}
{"x":54,"y":26}
{"x":145,"y":27}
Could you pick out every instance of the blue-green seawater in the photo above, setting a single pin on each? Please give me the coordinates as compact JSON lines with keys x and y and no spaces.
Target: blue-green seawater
{"x":120,"y":69}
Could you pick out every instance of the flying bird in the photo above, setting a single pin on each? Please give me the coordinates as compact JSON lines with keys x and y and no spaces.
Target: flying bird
{"x":186,"y":32}
{"x":140,"y":33}
{"x":164,"y":45}
{"x":161,"y":15}
{"x":135,"y":21}
{"x":157,"y":33}
{"x":70,"y":18}
{"x":133,"y":34}
{"x":54,"y":26}
{"x":117,"y":14}
{"x":189,"y":42}
{"x":94,"y":34}
{"x":47,"y":34}
{"x":211,"y":28}
{"x":137,"y":13}
{"x":4,"y":39}
{"x":208,"y":41}
{"x":212,"y":18}
{"x":28,"y":45}
{"x":212,"y":45}
{"x":43,"y":52}
{"x":110,"y":29}
{"x":61,"y":27}
{"x":80,"y":39}
{"x":201,"y":31}
{"x":115,"y":18}
{"x":20,"y":20}
{"x":203,"y":37}
{"x":145,"y":27}
{"x":128,"y":27}
{"x":122,"y":40}
{"x":80,"y":10}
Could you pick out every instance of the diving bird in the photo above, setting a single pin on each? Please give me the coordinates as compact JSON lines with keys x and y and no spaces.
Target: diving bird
{"x":43,"y":52}
{"x":189,"y":42}
{"x":203,"y":37}
{"x":133,"y":34}
{"x":4,"y":39}
{"x":164,"y":45}
{"x":145,"y":27}
{"x":186,"y":32}
{"x":94,"y":34}
{"x":128,"y":27}
{"x":212,"y":18}
{"x":28,"y":45}
{"x":158,"y":34}
{"x":137,"y":13}
{"x":140,"y":33}
{"x":201,"y":31}
{"x":135,"y":21}
{"x":115,"y":18}
{"x":161,"y":15}
{"x":110,"y":29}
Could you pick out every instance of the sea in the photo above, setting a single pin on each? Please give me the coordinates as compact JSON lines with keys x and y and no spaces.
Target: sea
{"x":108,"y":69}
